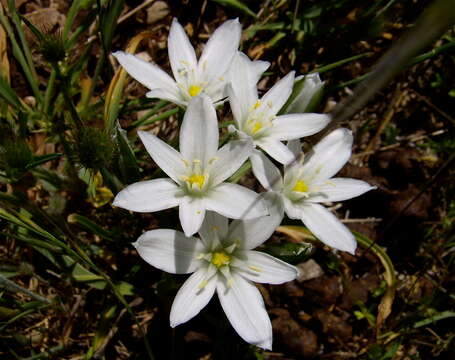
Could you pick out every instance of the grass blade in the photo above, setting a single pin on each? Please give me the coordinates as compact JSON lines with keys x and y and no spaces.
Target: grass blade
{"x":237,"y":4}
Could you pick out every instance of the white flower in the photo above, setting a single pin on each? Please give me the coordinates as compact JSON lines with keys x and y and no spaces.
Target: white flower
{"x":192,"y":77}
{"x":222,"y":260}
{"x":196,"y":173}
{"x":308,"y":183}
{"x":257,"y":118}
{"x":306,"y":89}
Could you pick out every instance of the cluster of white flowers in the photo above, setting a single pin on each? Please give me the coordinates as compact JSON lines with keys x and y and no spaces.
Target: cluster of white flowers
{"x":222,"y":259}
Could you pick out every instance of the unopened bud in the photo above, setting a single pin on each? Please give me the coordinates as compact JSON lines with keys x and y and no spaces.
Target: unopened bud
{"x":92,"y":148}
{"x":305,"y":96}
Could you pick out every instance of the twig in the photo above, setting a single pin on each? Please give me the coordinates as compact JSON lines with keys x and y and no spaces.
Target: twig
{"x":134,"y":11}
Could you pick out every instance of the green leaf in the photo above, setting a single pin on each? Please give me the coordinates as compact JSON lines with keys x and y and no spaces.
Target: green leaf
{"x":236,"y":4}
{"x":105,"y":325}
{"x":8,"y":94}
{"x":91,"y":226}
{"x":440,"y":316}
{"x":385,"y":306}
{"x":290,"y":252}
{"x":41,"y":159}
{"x":81,"y":274}
{"x":108,"y":22}
{"x":124,"y":288}
{"x":127,"y":162}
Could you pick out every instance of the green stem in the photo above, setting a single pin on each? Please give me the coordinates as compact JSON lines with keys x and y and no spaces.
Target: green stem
{"x":49,"y":91}
{"x":146,"y":121}
{"x":98,"y":68}
{"x":334,"y":65}
{"x":65,"y":86}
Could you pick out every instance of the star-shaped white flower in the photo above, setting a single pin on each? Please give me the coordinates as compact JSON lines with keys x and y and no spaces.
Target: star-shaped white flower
{"x":222,"y":260}
{"x":258,"y":119}
{"x":192,"y":77}
{"x":196,"y":173}
{"x":309,"y":182}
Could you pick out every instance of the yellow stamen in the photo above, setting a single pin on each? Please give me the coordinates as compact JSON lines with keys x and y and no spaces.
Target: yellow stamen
{"x":256,"y":127}
{"x":300,"y":186}
{"x":257,"y":104}
{"x":194,"y":90}
{"x":196,"y":179}
{"x":220,"y":259}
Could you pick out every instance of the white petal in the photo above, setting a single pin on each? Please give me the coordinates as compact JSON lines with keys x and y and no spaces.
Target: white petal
{"x":235,"y":202}
{"x":243,"y":75}
{"x":229,"y":159}
{"x":191,"y":214}
{"x":263,"y":268}
{"x":169,"y":250}
{"x":291,"y":170}
{"x":220,"y":50}
{"x":251,"y":233}
{"x":276,"y":150}
{"x":181,"y":53}
{"x":339,"y":189}
{"x":244,"y":307}
{"x":265,"y":171}
{"x":165,"y":156}
{"x":213,"y":229}
{"x":199,"y":130}
{"x":148,"y":74}
{"x":327,"y":228}
{"x":296,"y":126}
{"x":252,"y":70}
{"x":164,"y":95}
{"x":274,"y":99}
{"x":292,"y":210}
{"x":329,"y":156}
{"x":149,"y":196}
{"x":258,"y":67}
{"x":191,"y":297}
{"x":239,"y":107}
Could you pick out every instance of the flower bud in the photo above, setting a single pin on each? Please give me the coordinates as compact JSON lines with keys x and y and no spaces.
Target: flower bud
{"x":306,"y":94}
{"x":52,"y":47}
{"x":92,"y":148}
{"x":15,"y":155}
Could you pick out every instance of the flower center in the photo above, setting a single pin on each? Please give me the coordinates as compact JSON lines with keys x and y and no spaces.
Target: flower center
{"x":256,"y":127}
{"x":197,"y":179}
{"x":300,"y":186}
{"x":194,"y":90}
{"x":220,"y":259}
